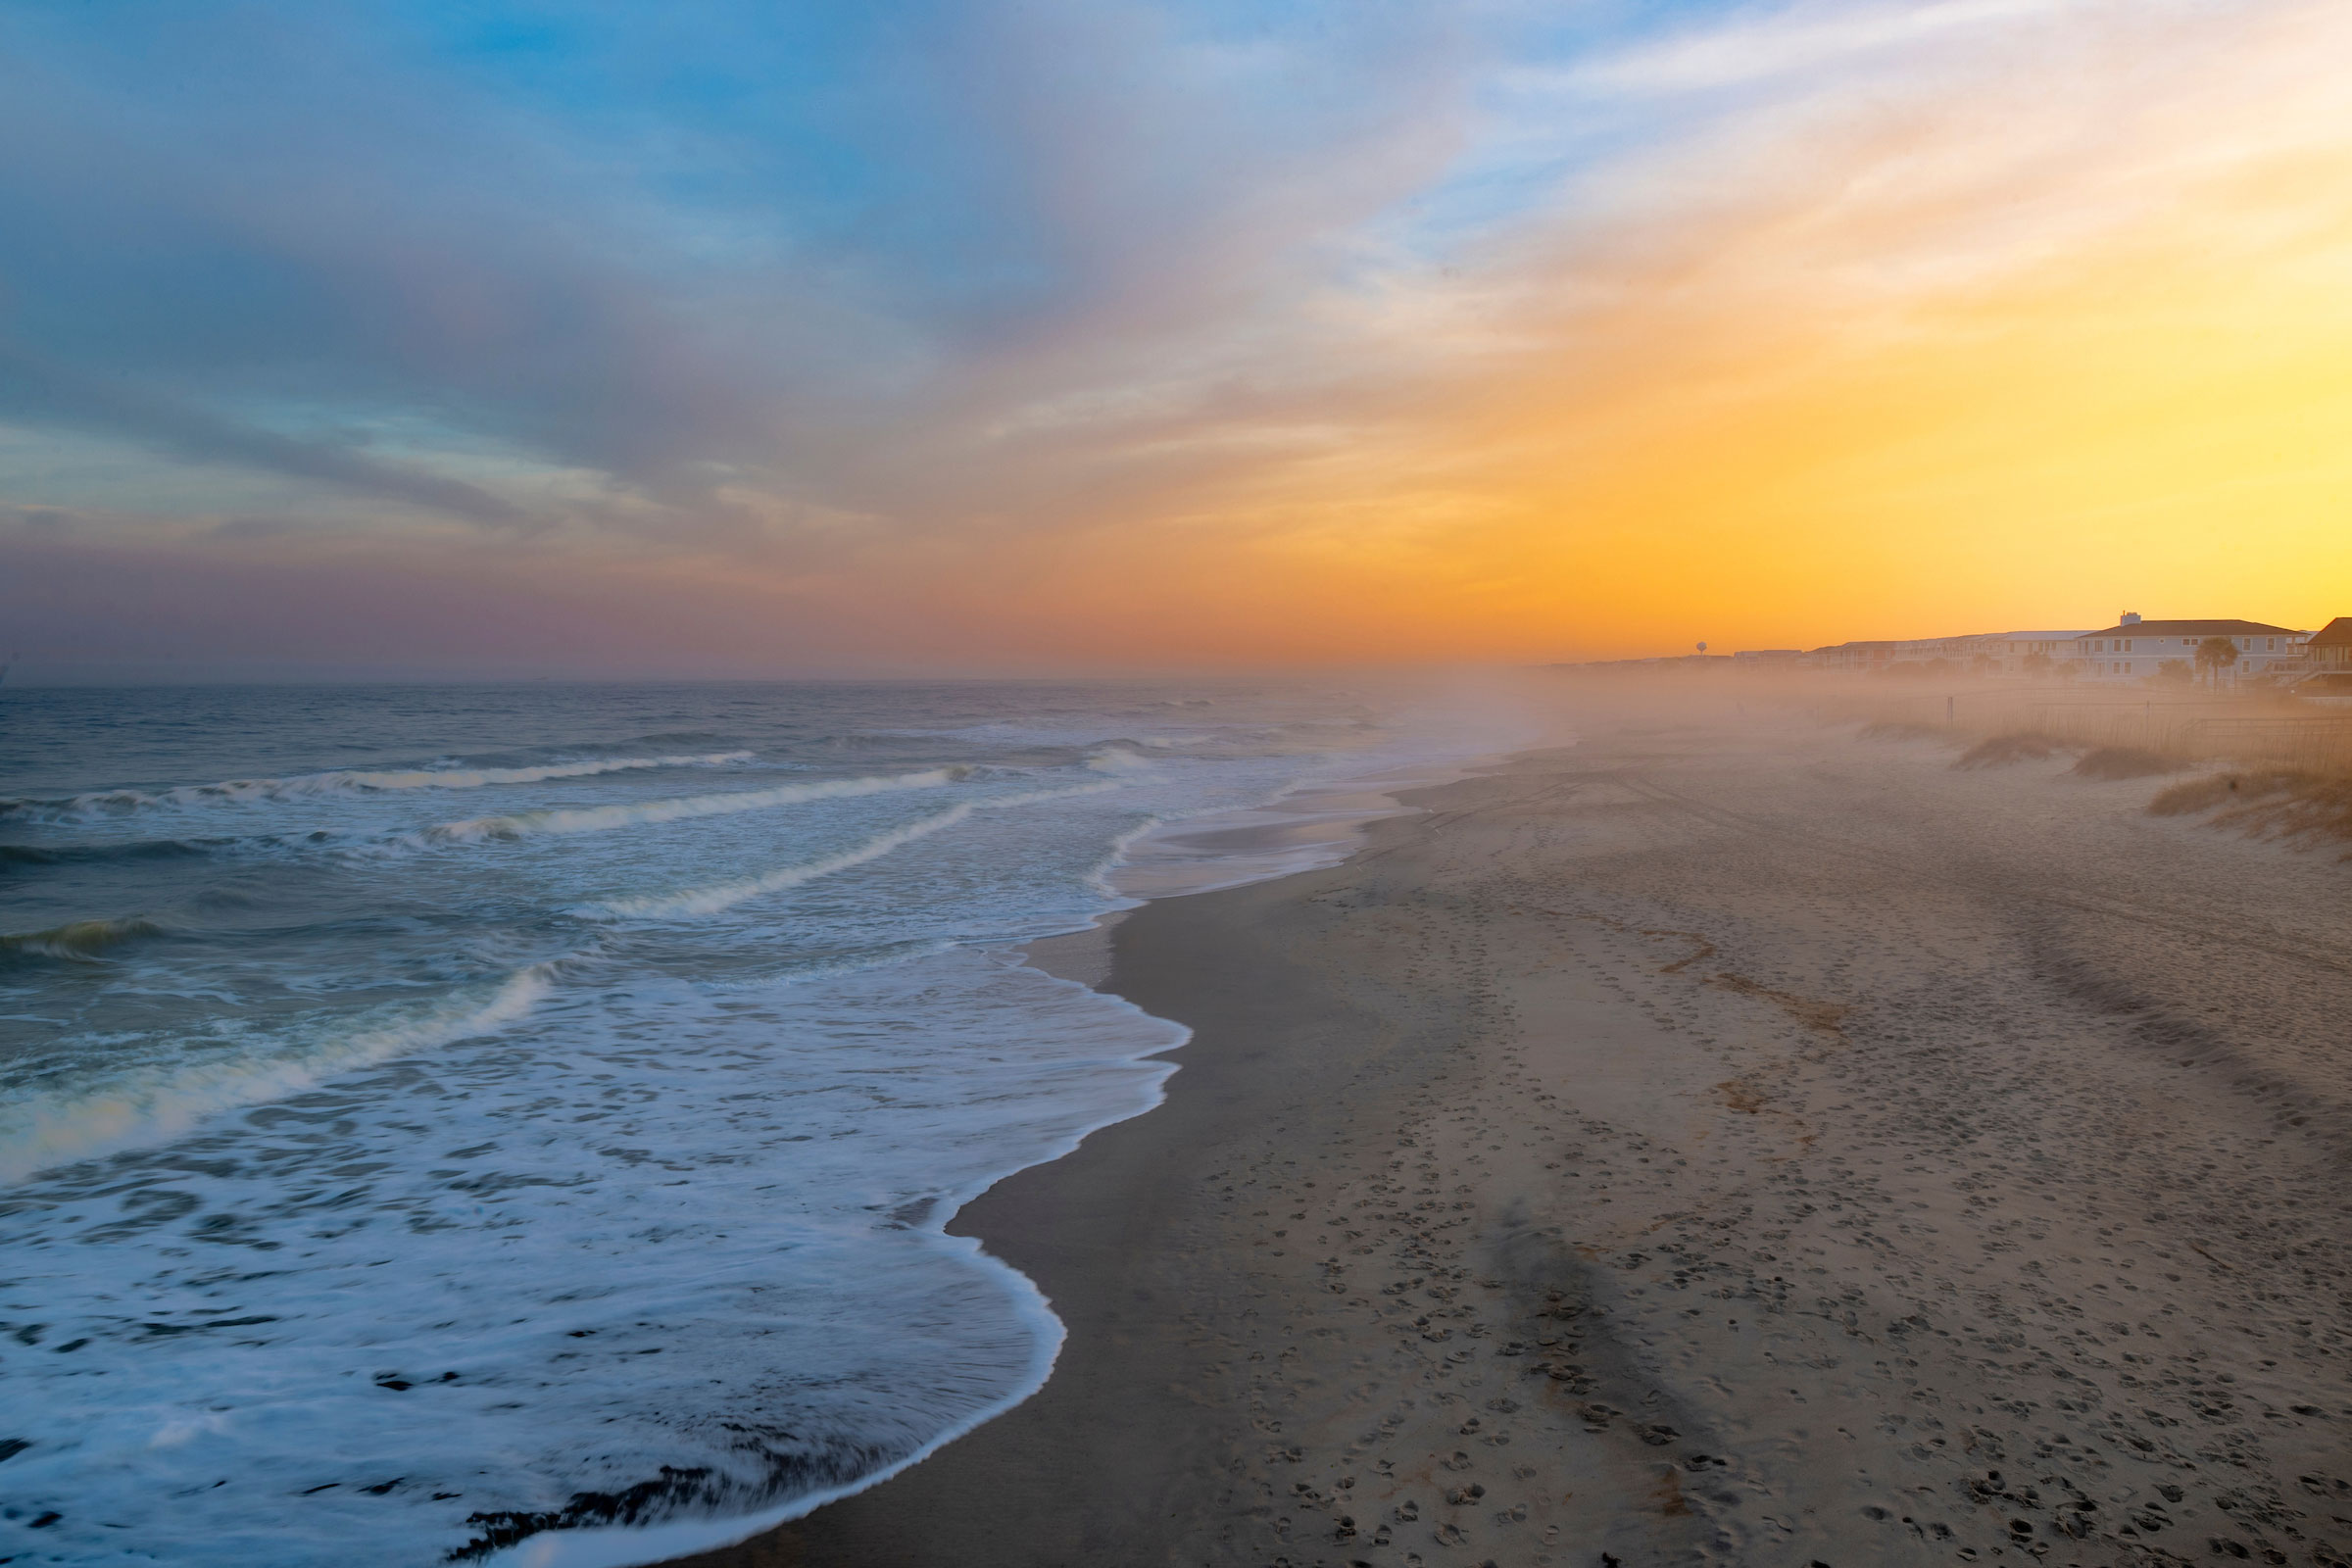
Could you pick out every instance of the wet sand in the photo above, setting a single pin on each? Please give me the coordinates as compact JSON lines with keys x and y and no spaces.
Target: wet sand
{"x":1732,"y":1143}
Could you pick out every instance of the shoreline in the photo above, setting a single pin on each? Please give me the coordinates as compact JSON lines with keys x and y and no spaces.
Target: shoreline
{"x":1074,"y":1227}
{"x":1308,"y":826}
{"x":1716,"y":1144}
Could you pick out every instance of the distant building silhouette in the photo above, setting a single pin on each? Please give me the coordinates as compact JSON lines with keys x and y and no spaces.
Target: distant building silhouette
{"x":2330,"y":649}
{"x":2133,"y":649}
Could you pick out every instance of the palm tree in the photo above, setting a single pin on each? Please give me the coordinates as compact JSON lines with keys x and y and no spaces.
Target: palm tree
{"x":2214,"y":655}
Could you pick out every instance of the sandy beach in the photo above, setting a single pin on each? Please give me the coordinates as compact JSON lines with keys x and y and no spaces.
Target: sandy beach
{"x":1726,"y":1141}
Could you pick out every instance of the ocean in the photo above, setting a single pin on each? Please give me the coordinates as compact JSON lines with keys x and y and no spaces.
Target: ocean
{"x":516,"y":1124}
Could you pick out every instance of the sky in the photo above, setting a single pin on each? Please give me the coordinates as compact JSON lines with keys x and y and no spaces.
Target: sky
{"x":730,"y":337}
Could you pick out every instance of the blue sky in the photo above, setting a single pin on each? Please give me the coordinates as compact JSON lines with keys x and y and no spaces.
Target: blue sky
{"x":470,"y":259}
{"x":618,"y":238}
{"x":814,"y":293}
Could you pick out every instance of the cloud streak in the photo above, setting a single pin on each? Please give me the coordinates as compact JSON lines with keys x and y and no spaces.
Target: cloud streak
{"x":35,"y":393}
{"x":1051,"y":332}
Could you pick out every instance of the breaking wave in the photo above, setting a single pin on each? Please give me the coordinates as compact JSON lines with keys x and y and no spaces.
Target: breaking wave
{"x":78,"y":938}
{"x":342,"y":781}
{"x":1119,"y":756}
{"x":603,"y":818}
{"x":372,"y":1246}
{"x":727,"y":895}
{"x":150,"y":1104}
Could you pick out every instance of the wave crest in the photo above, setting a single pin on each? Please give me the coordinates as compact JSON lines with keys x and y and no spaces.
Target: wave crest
{"x":727,"y":895}
{"x":82,"y":940}
{"x":155,"y":1104}
{"x":340,"y":781}
{"x":603,"y":818}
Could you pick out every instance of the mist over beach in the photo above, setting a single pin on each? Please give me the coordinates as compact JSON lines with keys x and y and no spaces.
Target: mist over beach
{"x":1042,"y":785}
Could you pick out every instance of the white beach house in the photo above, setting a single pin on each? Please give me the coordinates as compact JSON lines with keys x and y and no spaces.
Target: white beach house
{"x":2133,"y":649}
{"x":2006,"y":652}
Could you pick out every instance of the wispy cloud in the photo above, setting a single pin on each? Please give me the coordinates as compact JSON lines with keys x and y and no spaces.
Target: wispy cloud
{"x":1744,"y":48}
{"x":35,"y":393}
{"x":1167,"y":327}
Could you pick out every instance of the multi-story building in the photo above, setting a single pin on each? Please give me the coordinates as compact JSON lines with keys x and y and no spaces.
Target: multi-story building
{"x":1853,"y":658}
{"x":2133,"y":649}
{"x":2006,"y":652}
{"x":1927,"y":650}
{"x":2001,"y":652}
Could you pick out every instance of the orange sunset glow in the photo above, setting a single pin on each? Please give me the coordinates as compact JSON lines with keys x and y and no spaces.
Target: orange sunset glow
{"x":1229,"y":783}
{"x":1861,"y":320}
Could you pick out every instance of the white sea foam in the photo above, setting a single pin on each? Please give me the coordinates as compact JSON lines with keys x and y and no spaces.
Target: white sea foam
{"x":475,"y":778}
{"x":1299,"y":828}
{"x":727,"y":895}
{"x":340,"y":781}
{"x":671,"y":1234}
{"x":149,"y":1105}
{"x":1098,"y":876}
{"x":604,"y":819}
{"x":1119,"y":760}
{"x":639,"y":1228}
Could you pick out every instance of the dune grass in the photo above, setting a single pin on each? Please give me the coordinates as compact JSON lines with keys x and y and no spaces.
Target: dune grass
{"x":2187,"y":727}
{"x":2126,"y":762}
{"x":2305,"y":809}
{"x":2003,"y":750}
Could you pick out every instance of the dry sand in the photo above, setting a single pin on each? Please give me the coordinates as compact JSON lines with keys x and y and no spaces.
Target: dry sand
{"x":1732,"y":1143}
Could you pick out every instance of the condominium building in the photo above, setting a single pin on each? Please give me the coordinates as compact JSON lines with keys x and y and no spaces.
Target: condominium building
{"x":2133,"y":649}
{"x":2006,"y":652}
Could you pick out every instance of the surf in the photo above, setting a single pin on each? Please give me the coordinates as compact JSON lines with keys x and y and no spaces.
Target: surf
{"x":605,"y":818}
{"x":153,"y":1104}
{"x":78,"y":940}
{"x":726,"y":895}
{"x":100,"y":804}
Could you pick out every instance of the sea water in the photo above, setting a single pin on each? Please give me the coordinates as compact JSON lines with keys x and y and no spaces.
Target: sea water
{"x":517,"y":1124}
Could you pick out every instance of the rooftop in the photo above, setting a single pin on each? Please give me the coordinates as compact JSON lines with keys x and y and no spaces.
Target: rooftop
{"x":2192,"y":628}
{"x":2337,"y":633}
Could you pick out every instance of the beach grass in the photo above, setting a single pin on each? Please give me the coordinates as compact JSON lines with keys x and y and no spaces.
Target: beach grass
{"x":2000,"y":723}
{"x":2307,"y":810}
